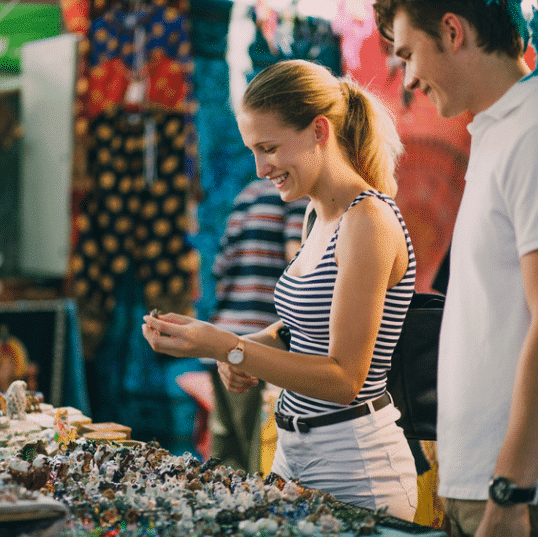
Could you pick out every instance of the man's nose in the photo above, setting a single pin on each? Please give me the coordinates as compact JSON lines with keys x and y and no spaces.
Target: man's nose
{"x":410,"y":80}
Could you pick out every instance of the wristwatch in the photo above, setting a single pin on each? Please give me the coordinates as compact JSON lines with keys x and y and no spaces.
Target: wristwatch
{"x":503,"y":492}
{"x":237,"y":354}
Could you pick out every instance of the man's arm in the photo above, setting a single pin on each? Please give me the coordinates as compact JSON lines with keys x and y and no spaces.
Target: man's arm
{"x":517,"y":458}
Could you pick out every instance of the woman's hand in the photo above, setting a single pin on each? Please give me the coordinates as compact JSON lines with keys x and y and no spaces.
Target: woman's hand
{"x":235,"y":380}
{"x":182,"y":336}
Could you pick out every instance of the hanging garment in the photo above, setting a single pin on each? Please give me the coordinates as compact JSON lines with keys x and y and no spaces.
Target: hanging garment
{"x":161,"y":60}
{"x":209,"y":27}
{"x":116,"y":34}
{"x":354,"y":22}
{"x":75,"y":15}
{"x":97,"y":8}
{"x":306,"y":38}
{"x":226,"y":166}
{"x":136,"y":215}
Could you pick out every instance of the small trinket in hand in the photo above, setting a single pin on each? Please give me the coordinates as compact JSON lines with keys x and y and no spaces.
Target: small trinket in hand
{"x":156,"y":313}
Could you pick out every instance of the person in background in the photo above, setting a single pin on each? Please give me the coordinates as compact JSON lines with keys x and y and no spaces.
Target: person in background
{"x":343,"y":297}
{"x":262,"y":234}
{"x":468,"y":56}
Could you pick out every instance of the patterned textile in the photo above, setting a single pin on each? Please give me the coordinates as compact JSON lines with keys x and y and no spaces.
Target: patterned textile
{"x":133,"y":209}
{"x":142,"y":168}
{"x":309,"y":38}
{"x":136,"y":215}
{"x":252,"y":256}
{"x":98,"y":8}
{"x":168,"y":85}
{"x":107,"y":84}
{"x":75,"y":15}
{"x":115,"y":34}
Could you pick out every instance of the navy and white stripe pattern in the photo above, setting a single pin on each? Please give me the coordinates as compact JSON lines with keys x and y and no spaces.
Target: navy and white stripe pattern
{"x":252,"y":256}
{"x":304,"y":304}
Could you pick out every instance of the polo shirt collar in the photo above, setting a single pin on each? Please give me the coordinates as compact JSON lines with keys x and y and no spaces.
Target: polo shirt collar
{"x":508,"y":102}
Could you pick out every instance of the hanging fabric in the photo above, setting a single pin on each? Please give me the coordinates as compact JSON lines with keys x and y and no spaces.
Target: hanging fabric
{"x":130,"y":221}
{"x":137,"y":217}
{"x":354,"y":22}
{"x":289,"y":35}
{"x":98,"y":8}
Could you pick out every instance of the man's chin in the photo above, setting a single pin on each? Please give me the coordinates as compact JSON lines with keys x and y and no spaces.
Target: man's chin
{"x":448,"y":111}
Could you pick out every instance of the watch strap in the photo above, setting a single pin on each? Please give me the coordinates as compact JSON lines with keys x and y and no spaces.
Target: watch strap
{"x":503,"y":492}
{"x":523,"y":495}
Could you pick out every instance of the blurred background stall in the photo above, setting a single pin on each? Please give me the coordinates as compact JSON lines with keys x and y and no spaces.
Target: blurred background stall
{"x":120,"y":160}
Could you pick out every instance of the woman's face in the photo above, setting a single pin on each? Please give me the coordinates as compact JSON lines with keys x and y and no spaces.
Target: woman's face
{"x":287,"y":157}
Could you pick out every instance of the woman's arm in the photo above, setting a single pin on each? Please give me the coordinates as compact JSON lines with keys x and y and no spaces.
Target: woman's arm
{"x":370,"y":241}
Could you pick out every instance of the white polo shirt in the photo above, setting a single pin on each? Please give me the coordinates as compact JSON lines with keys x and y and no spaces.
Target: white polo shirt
{"x":486,"y":316}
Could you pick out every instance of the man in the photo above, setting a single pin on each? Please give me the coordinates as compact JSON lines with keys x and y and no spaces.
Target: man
{"x":468,"y":55}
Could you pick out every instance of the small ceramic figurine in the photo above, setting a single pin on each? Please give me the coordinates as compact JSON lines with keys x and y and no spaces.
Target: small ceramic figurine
{"x":64,"y":432}
{"x":16,"y":400}
{"x":3,"y":406}
{"x":32,"y":404}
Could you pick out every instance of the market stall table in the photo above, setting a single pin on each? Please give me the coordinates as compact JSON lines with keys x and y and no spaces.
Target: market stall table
{"x":123,"y":488}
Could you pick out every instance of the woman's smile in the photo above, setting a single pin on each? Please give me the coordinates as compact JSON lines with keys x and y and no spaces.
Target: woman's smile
{"x":279,"y":180}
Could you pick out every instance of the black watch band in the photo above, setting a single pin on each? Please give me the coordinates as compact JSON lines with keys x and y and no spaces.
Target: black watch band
{"x":503,"y":492}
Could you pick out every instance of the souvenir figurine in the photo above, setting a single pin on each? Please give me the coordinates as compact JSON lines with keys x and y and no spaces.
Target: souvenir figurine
{"x":16,"y":400}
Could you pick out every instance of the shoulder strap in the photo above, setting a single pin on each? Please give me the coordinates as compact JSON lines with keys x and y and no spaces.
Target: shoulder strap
{"x":310,"y":221}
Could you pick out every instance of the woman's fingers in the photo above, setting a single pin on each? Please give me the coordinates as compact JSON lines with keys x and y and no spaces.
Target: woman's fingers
{"x":235,"y":380}
{"x":167,"y":324}
{"x":155,"y":339}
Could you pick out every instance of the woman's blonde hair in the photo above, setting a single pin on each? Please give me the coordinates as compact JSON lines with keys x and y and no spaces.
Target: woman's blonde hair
{"x":299,"y":91}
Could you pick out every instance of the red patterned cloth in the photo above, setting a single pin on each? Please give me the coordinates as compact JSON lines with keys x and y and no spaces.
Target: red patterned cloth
{"x":76,"y":15}
{"x":106,"y":86}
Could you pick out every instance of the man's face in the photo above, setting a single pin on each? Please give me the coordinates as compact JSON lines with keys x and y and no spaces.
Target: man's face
{"x":429,"y":65}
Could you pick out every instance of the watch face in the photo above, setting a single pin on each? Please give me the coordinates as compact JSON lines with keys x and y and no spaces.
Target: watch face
{"x":501,"y":490}
{"x":235,"y":356}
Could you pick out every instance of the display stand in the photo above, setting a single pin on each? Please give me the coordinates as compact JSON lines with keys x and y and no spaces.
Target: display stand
{"x":50,"y":332}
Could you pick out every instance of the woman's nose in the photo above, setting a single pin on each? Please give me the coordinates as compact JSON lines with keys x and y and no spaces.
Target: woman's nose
{"x":263,"y":167}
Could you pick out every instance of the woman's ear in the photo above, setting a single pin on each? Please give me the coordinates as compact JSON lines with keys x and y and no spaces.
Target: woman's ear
{"x":322,"y":128}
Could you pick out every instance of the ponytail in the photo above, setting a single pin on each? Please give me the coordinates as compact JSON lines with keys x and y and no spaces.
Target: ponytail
{"x":370,"y":137}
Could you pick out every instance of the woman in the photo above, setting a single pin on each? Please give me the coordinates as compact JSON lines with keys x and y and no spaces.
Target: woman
{"x":343,"y":297}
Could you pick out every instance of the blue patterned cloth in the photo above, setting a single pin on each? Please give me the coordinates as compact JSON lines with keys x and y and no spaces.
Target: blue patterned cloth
{"x":113,"y":34}
{"x":137,"y":387}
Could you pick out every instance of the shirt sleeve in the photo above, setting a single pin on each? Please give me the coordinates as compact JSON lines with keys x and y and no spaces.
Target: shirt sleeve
{"x":520,"y":189}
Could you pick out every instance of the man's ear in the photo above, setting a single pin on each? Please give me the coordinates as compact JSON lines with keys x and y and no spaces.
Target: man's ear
{"x":454,"y":31}
{"x":321,"y":129}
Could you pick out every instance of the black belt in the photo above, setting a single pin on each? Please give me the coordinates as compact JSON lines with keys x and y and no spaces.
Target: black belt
{"x":303,"y":425}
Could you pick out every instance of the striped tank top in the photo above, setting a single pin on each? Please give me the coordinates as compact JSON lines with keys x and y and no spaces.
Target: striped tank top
{"x":304,"y":303}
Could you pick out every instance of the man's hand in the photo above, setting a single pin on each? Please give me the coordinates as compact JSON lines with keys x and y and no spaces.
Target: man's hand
{"x":500,"y":521}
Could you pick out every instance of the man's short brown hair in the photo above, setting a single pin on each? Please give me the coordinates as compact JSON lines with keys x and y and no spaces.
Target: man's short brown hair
{"x":495,"y":30}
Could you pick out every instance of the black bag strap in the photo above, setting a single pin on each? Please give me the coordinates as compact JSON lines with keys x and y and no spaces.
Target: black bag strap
{"x":310,"y":221}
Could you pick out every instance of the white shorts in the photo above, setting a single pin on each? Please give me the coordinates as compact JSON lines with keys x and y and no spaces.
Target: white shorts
{"x":366,"y":462}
